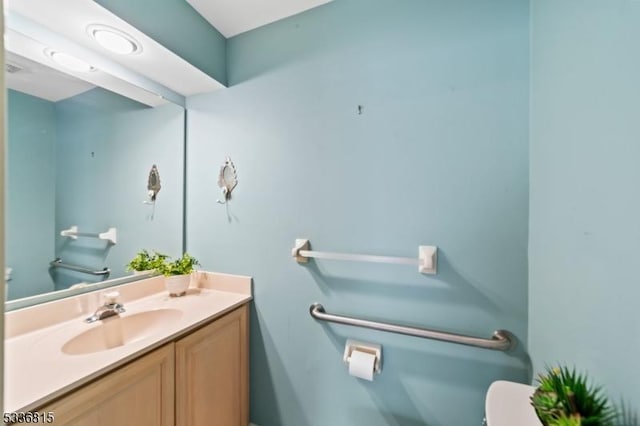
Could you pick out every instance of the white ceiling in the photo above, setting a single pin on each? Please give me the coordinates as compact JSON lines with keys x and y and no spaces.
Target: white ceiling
{"x":232,"y":17}
{"x":69,"y":19}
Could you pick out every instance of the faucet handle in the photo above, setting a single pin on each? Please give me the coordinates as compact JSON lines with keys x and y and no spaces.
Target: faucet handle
{"x":111,"y":297}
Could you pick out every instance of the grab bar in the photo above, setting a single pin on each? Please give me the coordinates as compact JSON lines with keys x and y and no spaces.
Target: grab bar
{"x":426,"y":261}
{"x":502,"y":340}
{"x":57,"y":263}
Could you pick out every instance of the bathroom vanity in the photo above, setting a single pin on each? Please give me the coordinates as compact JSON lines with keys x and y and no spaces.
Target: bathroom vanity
{"x":181,"y":361}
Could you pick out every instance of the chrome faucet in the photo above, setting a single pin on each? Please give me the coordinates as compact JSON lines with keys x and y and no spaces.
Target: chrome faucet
{"x":110,"y":308}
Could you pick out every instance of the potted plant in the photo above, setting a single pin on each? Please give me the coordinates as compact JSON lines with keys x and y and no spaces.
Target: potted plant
{"x":178,"y":273}
{"x":564,"y":398}
{"x":145,"y":262}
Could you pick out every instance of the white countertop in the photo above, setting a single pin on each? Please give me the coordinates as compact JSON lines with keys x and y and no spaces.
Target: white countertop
{"x":36,"y":369}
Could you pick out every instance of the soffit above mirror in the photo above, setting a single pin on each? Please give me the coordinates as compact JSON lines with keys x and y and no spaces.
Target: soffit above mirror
{"x":232,"y":17}
{"x":30,"y":70}
{"x":35,"y":79}
{"x":70,"y":19}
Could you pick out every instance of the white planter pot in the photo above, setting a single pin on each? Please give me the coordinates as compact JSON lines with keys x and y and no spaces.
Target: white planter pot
{"x":146,"y":272}
{"x":177,"y":285}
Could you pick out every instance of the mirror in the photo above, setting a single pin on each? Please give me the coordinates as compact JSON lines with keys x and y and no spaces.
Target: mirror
{"x":78,"y":156}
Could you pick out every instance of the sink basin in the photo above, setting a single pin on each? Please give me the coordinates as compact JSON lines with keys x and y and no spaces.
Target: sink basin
{"x":117,"y":331}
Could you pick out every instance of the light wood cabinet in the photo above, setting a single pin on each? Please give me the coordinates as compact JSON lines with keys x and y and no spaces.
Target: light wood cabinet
{"x":212,"y":380}
{"x":140,"y":393}
{"x":200,"y":379}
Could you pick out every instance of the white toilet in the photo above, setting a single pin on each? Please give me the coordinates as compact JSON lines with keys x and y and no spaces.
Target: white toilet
{"x":507,"y":404}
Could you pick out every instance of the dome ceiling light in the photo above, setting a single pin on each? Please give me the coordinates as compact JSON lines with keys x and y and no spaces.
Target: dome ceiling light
{"x":114,"y":40}
{"x":69,"y":62}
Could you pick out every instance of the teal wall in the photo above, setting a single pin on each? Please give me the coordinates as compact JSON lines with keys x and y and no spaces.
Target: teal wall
{"x":585,"y":201}
{"x":30,"y":175}
{"x":177,"y":26}
{"x":438,"y":156}
{"x":107,"y":145}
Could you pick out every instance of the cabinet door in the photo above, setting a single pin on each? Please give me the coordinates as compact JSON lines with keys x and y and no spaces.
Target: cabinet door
{"x":212,"y":379}
{"x":139,"y":394}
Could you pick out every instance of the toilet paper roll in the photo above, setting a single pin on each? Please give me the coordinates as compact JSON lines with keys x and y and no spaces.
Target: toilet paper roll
{"x":361,"y":365}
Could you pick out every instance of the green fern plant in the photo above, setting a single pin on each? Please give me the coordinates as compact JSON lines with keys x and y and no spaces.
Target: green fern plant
{"x":564,"y":398}
{"x":145,"y":261}
{"x":185,"y":265}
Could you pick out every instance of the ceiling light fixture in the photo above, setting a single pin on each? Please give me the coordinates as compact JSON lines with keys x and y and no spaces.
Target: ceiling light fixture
{"x":68,"y":62}
{"x":114,"y":40}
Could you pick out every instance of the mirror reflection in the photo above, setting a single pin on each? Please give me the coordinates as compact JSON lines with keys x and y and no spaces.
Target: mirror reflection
{"x":79,"y":156}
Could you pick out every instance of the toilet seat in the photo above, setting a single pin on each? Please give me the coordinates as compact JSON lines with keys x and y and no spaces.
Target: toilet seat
{"x":508,"y":404}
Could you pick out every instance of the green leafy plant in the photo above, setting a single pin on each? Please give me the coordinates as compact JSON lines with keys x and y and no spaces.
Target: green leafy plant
{"x":564,"y":398}
{"x":185,"y":265}
{"x":145,"y":261}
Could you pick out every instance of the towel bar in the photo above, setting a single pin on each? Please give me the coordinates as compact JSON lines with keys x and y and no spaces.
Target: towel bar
{"x":426,"y":261}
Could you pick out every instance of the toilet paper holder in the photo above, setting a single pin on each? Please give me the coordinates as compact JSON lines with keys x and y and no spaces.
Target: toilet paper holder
{"x":371,"y":348}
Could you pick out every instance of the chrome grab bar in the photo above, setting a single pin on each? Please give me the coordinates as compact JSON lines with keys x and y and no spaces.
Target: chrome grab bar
{"x":502,"y":340}
{"x":57,"y":263}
